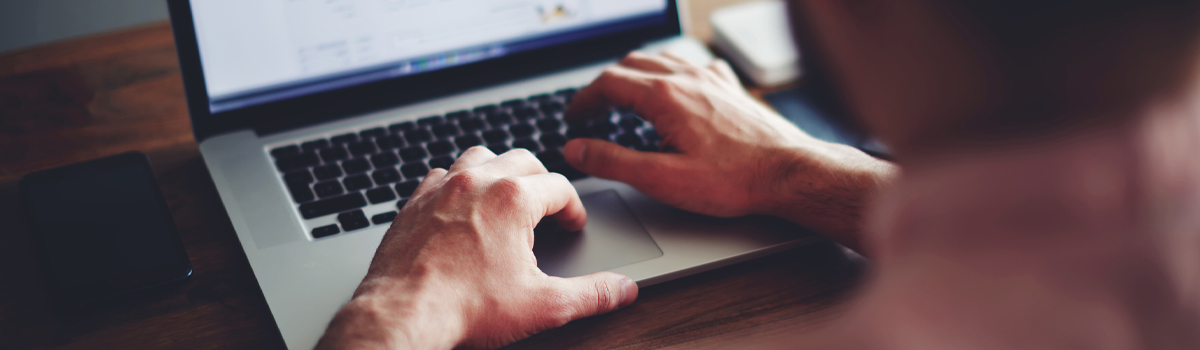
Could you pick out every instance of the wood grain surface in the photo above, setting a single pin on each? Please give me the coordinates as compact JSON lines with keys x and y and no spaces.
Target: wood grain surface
{"x":112,"y":93}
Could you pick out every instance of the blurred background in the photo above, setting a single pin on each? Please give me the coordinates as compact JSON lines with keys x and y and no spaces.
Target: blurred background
{"x":27,"y":23}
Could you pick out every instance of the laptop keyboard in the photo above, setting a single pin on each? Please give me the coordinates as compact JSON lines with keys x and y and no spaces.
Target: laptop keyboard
{"x":343,"y":174}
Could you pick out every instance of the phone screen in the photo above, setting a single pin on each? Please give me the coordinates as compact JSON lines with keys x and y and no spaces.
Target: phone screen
{"x":104,"y":227}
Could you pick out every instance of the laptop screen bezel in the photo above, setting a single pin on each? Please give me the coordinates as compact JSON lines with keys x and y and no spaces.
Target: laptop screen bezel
{"x":345,"y":102}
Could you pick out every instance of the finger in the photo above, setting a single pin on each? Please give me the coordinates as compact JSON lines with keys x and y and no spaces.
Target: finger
{"x":647,"y":62}
{"x":622,"y":86}
{"x":591,"y":295}
{"x":560,"y":199}
{"x":472,"y":157}
{"x":724,"y":70}
{"x":517,"y":162}
{"x":611,"y":161}
{"x":431,"y":180}
{"x":678,"y":59}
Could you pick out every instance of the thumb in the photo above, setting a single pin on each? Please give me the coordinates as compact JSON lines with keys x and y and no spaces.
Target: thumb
{"x":611,"y":161}
{"x":595,"y":294}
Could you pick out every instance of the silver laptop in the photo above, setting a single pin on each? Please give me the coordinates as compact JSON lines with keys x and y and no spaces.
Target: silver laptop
{"x":317,"y":118}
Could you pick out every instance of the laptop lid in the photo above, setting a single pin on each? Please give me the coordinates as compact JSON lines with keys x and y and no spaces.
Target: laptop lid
{"x":272,"y":65}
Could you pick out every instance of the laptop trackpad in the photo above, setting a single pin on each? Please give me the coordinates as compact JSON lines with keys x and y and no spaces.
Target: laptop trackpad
{"x":612,"y":238}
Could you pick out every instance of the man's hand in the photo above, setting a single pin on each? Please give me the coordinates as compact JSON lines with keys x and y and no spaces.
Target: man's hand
{"x":457,"y":268}
{"x":731,"y":156}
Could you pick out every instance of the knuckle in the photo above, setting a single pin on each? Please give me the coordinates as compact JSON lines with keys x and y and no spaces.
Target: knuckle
{"x":559,"y":178}
{"x":604,"y":295}
{"x":464,"y":181}
{"x":663,"y":87}
{"x":476,"y":149}
{"x":522,"y":153}
{"x":609,"y":74}
{"x":511,"y":188}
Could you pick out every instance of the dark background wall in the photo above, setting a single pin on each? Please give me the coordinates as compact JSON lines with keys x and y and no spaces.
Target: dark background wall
{"x":25,"y":23}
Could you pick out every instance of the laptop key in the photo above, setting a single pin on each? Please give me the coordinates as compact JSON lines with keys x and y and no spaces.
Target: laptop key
{"x":603,"y":130}
{"x":301,"y":193}
{"x":549,"y":125}
{"x":399,"y":128}
{"x":384,"y":218}
{"x":413,"y":154}
{"x":418,"y":136}
{"x":329,"y":189}
{"x":402,"y":203}
{"x":356,"y":166}
{"x":526,"y":113}
{"x":298,"y":177}
{"x":567,"y":170}
{"x":414,"y":170}
{"x":498,"y":148}
{"x":357,"y":183}
{"x":521,"y":130}
{"x":553,"y":140}
{"x":389,"y":142}
{"x":354,"y":220}
{"x":344,"y":139}
{"x":467,"y":141}
{"x":373,"y":133}
{"x":406,"y":189}
{"x":498,"y":119}
{"x":651,"y":136}
{"x":440,"y":148}
{"x":326,"y":231}
{"x":386,"y":176}
{"x":630,"y":123}
{"x":552,"y":108}
{"x":630,"y":140}
{"x":332,"y":205}
{"x":381,"y":195}
{"x":566,"y":94}
{"x":495,"y":136}
{"x":332,"y":155}
{"x":441,"y":162}
{"x":327,"y":172}
{"x":488,"y":109}
{"x":551,"y":157}
{"x":359,"y":149}
{"x":285,"y":151}
{"x":384,"y":160}
{"x":445,"y":131}
{"x":434,"y":120}
{"x":472,"y":124}
{"x":513,"y":104}
{"x":297,"y":162}
{"x":314,"y":145}
{"x":540,"y":98}
{"x":528,"y":144}
{"x":459,"y":115}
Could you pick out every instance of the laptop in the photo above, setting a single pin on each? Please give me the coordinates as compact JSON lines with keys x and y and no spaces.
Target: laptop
{"x":318,"y":118}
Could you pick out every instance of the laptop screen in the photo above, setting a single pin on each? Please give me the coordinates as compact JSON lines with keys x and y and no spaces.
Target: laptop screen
{"x":254,"y":52}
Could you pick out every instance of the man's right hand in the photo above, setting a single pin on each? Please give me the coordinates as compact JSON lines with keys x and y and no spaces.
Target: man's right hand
{"x":729,"y":155}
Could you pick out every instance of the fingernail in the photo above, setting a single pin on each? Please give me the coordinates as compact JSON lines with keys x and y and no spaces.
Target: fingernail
{"x":575,"y":153}
{"x":629,"y":292}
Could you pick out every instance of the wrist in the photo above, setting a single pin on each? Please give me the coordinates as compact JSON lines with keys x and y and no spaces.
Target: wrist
{"x":827,"y":188}
{"x":388,"y":313}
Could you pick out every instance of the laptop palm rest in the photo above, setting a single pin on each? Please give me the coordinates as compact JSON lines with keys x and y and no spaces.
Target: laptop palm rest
{"x":612,"y":238}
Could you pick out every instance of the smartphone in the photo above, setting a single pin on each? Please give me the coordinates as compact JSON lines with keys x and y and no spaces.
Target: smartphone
{"x":103,"y":231}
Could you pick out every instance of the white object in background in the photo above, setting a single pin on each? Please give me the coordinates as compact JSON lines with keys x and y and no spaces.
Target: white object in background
{"x":757,"y":38}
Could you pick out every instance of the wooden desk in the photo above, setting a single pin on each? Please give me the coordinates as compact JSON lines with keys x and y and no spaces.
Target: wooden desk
{"x":119,"y":92}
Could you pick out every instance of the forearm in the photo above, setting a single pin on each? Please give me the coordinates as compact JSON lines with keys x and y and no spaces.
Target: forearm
{"x":394,"y":315}
{"x":833,"y":196}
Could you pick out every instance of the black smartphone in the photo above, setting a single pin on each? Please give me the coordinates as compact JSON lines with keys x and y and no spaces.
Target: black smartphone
{"x":103,"y":231}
